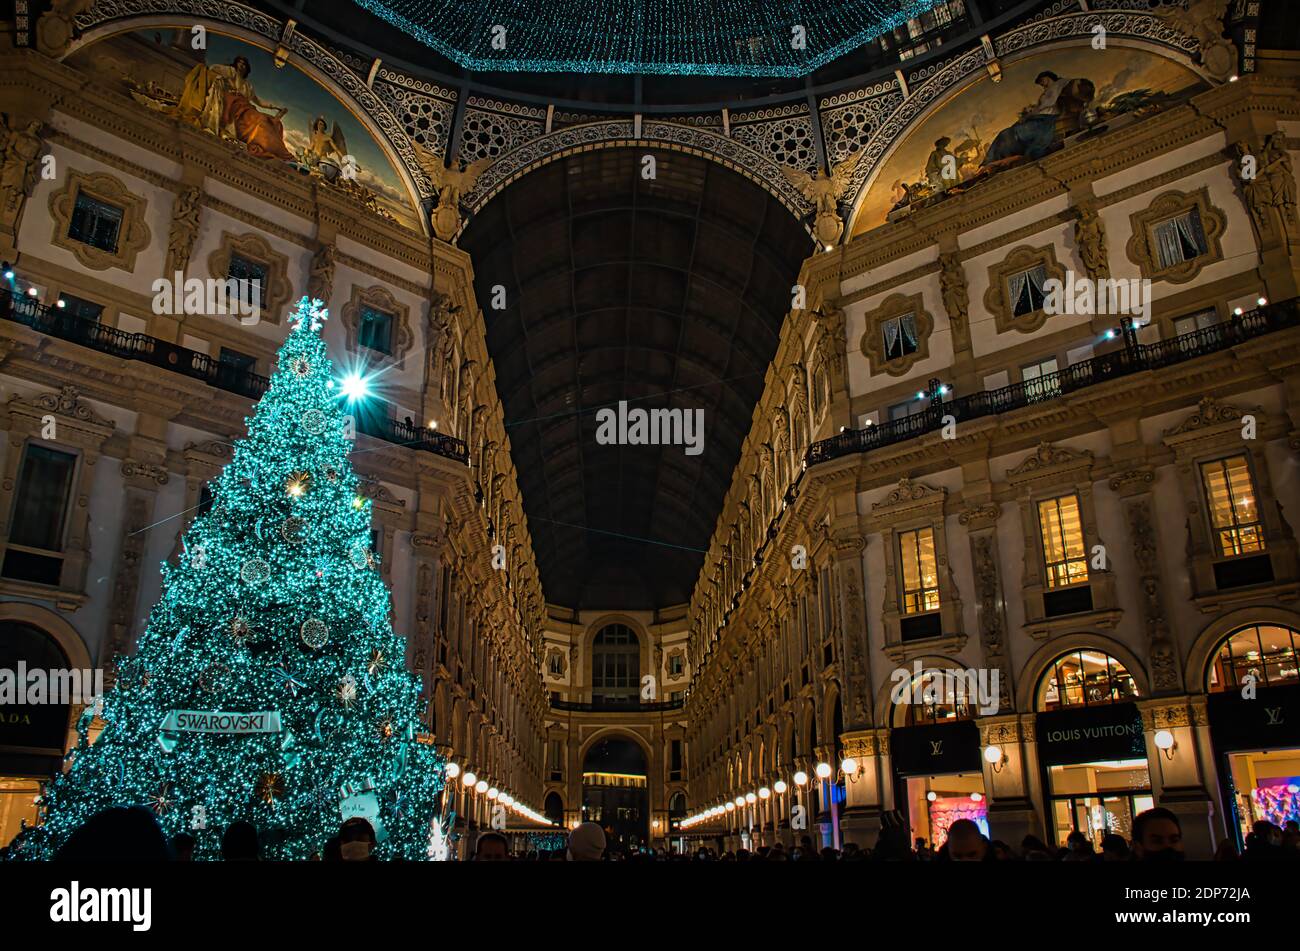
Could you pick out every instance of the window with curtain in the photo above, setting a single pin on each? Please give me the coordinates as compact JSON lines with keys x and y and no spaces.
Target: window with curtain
{"x":1065,"y":555}
{"x":1234,"y":511}
{"x":1180,"y":238}
{"x":41,"y":502}
{"x":900,"y":336}
{"x":375,"y":331}
{"x":920,"y":571}
{"x":95,"y":222}
{"x":1025,"y":290}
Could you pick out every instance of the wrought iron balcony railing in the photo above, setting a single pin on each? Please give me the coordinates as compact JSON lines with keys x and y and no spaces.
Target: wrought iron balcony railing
{"x":54,"y":322}
{"x":1132,"y":358}
{"x":575,"y":707}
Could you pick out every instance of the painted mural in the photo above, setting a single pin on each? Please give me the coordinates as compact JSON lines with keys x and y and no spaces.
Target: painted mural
{"x":235,"y":91}
{"x":1042,"y":103}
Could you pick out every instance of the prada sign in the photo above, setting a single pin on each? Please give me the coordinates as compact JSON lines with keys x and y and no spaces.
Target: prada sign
{"x":935,"y":749}
{"x":1271,"y":719}
{"x":1082,"y":734}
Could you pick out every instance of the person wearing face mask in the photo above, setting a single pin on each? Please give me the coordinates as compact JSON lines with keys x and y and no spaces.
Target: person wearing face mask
{"x":1157,"y":836}
{"x":357,"y":841}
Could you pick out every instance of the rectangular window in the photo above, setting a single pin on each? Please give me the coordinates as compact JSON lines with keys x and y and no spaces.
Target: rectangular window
{"x":1178,"y":239}
{"x":41,"y":503}
{"x":376,"y":330}
{"x":676,"y":665}
{"x":920,"y":571}
{"x":240,"y":362}
{"x":1025,"y":290}
{"x":1064,"y":553}
{"x":253,"y":272}
{"x":900,"y":336}
{"x":905,"y":409}
{"x":80,"y":308}
{"x":1234,"y":511}
{"x":675,"y":760}
{"x":1194,"y":322}
{"x":95,"y":223}
{"x":1041,"y":381}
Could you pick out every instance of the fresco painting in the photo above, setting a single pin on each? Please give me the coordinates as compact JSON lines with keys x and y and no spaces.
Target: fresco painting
{"x":1041,"y":104}
{"x":234,"y":91}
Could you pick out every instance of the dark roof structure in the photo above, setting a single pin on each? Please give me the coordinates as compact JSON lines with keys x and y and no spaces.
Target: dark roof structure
{"x":665,"y":292}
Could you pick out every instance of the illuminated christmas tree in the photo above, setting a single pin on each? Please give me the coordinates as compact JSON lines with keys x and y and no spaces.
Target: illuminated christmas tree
{"x":269,"y":685}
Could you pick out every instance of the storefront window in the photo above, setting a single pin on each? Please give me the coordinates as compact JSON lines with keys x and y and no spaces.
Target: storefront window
{"x":17,"y":805}
{"x":1085,"y":678}
{"x":935,"y":802}
{"x":1266,"y":786}
{"x":1265,"y":652}
{"x":937,"y":696}
{"x":1099,"y":798}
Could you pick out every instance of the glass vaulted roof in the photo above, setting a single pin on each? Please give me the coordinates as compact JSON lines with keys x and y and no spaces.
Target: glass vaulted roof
{"x":777,"y":38}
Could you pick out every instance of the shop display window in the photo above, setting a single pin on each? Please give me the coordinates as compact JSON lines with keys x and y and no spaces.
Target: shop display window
{"x":1098,"y":798}
{"x":936,"y":802}
{"x":1265,"y":652}
{"x":1266,"y":786}
{"x":1085,"y":678}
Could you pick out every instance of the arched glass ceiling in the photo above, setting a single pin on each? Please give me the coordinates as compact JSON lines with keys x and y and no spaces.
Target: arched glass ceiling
{"x":785,"y":38}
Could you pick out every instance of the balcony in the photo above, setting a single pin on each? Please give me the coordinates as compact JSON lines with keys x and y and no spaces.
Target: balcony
{"x":1130,"y":359}
{"x":575,"y":707}
{"x":53,"y":322}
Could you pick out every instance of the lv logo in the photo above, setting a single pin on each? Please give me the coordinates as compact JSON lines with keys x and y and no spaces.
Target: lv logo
{"x":1274,"y":715}
{"x":936,"y":747}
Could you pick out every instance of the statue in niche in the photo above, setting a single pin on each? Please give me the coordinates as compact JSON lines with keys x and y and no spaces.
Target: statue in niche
{"x":1090,"y":239}
{"x":185,"y":228}
{"x":952,"y":283}
{"x":21,"y":146}
{"x":320,"y":280}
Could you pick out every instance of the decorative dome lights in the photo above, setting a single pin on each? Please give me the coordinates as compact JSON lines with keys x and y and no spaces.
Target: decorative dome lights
{"x":667,"y":37}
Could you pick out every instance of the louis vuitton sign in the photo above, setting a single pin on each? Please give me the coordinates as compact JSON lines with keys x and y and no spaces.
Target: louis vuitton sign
{"x":1269,"y":720}
{"x":935,"y":749}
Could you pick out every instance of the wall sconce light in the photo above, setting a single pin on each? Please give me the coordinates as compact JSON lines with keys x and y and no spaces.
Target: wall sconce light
{"x":1165,"y":742}
{"x":823,"y":770}
{"x":801,"y":778}
{"x":995,"y":757}
{"x":779,"y":787}
{"x":851,"y":769}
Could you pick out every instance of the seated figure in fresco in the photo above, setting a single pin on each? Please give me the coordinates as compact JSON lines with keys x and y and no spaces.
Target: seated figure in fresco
{"x":221,"y":100}
{"x":326,"y":153}
{"x":1043,"y":124}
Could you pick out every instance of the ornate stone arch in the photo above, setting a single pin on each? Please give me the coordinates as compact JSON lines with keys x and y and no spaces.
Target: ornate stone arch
{"x":621,"y":133}
{"x":884,"y":696}
{"x":1034,"y":668}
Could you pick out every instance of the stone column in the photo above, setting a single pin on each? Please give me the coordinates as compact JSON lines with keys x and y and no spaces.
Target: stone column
{"x":1178,"y":774}
{"x":1007,"y":780}
{"x":143,"y":477}
{"x":855,"y":663}
{"x":860,"y":819}
{"x":1134,"y":489}
{"x":990,"y":607}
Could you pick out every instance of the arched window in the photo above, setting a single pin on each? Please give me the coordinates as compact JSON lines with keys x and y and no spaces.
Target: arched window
{"x":615,"y":666}
{"x":677,"y":806}
{"x":1085,"y":678}
{"x":1267,"y":652}
{"x":553,"y":807}
{"x":937,"y":696}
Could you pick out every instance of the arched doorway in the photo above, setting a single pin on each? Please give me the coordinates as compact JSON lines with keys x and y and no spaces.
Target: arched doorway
{"x":33,"y":736}
{"x":553,"y":808}
{"x":615,"y":793}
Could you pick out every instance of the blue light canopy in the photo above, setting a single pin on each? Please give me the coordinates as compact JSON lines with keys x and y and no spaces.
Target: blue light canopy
{"x":671,"y":37}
